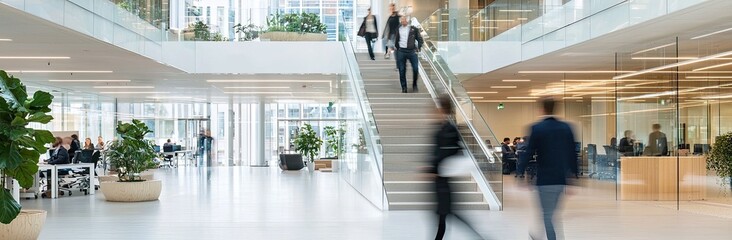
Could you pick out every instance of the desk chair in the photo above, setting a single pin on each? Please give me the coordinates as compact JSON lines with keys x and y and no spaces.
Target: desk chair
{"x":607,"y":167}
{"x":592,"y":158}
{"x":168,"y":158}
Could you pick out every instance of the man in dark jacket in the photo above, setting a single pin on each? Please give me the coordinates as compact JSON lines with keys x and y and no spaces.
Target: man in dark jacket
{"x":408,"y":43}
{"x":553,"y":143}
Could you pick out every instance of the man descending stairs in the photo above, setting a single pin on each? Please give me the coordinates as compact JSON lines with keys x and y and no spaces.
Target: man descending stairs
{"x":406,"y":124}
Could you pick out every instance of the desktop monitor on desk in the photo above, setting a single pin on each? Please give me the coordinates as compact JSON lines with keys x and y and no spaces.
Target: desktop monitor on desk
{"x":176,"y":147}
{"x":701,"y":149}
{"x":156,"y":148}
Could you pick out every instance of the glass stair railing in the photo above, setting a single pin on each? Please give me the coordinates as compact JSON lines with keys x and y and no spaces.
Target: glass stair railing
{"x":362,"y":167}
{"x":475,"y":132}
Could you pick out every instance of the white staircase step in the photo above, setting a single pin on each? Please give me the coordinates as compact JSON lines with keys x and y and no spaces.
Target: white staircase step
{"x":430,"y":196}
{"x":425,"y":186}
{"x":400,"y":206}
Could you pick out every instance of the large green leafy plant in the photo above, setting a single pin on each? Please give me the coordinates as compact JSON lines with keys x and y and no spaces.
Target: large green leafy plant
{"x":334,"y":139}
{"x":20,"y":146}
{"x":294,"y":22}
{"x":132,"y":153}
{"x":719,"y":159}
{"x":308,"y":143}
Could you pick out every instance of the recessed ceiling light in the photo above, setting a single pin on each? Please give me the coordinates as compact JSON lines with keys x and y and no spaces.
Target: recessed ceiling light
{"x":119,"y":87}
{"x":522,"y":19}
{"x":571,"y":98}
{"x":36,"y":57}
{"x":481,"y":92}
{"x":654,"y":48}
{"x":504,"y":101}
{"x":6,"y":40}
{"x":476,"y":97}
{"x":258,"y":92}
{"x":713,"y":66}
{"x":86,"y":80}
{"x":56,"y":71}
{"x":257,"y":87}
{"x":710,"y":34}
{"x":134,"y":92}
{"x":706,"y":77}
{"x":503,"y":87}
{"x":515,"y":10}
{"x":516,"y":80}
{"x":592,"y":71}
{"x":522,"y":97}
{"x":497,"y":20}
{"x":687,"y":62}
{"x":663,"y":58}
{"x":170,"y":97}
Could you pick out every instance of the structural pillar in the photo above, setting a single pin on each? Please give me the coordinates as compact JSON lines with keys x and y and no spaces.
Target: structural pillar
{"x":259,"y":156}
{"x":231,"y":134}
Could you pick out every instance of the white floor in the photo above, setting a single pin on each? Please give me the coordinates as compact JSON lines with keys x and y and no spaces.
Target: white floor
{"x":265,"y":203}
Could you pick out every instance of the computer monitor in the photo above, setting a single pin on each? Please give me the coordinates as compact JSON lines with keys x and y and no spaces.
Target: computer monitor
{"x":156,"y":148}
{"x":176,"y":147}
{"x":700,"y":149}
{"x":683,"y":146}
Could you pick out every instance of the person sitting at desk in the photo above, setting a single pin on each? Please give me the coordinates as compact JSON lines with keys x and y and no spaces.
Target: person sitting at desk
{"x":60,"y":155}
{"x":626,"y":144}
{"x":100,"y":143}
{"x":88,"y":145}
{"x":168,"y":143}
{"x":508,"y":156}
{"x":657,"y":143}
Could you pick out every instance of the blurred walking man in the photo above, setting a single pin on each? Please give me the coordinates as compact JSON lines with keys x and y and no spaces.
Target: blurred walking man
{"x":553,"y":143}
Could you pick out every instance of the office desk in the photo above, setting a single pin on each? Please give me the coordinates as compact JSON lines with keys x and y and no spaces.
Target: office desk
{"x":92,"y":174}
{"x":185,"y":153}
{"x":656,"y":179}
{"x":50,"y":180}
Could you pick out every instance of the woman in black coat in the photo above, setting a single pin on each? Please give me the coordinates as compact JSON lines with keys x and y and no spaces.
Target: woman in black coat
{"x":447,"y":143}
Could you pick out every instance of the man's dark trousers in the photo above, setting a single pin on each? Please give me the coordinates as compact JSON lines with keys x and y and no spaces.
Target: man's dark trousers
{"x":402,"y":56}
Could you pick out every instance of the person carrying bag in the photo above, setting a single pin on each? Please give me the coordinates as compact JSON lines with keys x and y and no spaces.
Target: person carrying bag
{"x":369,"y":31}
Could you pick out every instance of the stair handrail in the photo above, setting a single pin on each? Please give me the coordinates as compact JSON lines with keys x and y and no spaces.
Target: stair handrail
{"x":370,"y":129}
{"x":491,"y":197}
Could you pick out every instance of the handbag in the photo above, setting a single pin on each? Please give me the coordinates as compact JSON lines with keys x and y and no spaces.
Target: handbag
{"x":362,"y":30}
{"x":457,"y":165}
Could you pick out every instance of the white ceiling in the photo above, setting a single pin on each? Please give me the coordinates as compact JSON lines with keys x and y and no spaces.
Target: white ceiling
{"x":600,"y":54}
{"x":35,"y":37}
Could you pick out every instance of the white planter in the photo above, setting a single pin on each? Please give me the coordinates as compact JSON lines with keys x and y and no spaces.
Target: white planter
{"x":27,"y":225}
{"x":335,"y":165}
{"x":293,"y":36}
{"x":132,"y":191}
{"x":311,"y":166}
{"x":113,"y":178}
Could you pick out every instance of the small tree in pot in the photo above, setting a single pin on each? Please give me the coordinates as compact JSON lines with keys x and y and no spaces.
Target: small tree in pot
{"x":334,"y":141}
{"x":308,"y":144}
{"x":131,"y":155}
{"x":719,"y":158}
{"x":21,"y":147}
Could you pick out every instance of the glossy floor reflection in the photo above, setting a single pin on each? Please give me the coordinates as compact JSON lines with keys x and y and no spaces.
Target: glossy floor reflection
{"x":265,"y":203}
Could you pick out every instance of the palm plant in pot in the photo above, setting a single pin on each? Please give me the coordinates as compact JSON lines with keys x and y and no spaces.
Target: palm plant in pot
{"x":21,"y":148}
{"x":719,"y":158}
{"x":308,"y":144}
{"x":131,"y":154}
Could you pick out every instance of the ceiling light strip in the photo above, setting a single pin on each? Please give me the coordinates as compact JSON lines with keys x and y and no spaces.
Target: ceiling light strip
{"x":58,"y":71}
{"x":6,"y":40}
{"x":86,"y":80}
{"x":687,"y":62}
{"x":257,"y":87}
{"x":710,"y":34}
{"x":516,"y":80}
{"x":134,"y":92}
{"x":122,"y":87}
{"x":654,"y":48}
{"x":38,"y":57}
{"x":713,"y":66}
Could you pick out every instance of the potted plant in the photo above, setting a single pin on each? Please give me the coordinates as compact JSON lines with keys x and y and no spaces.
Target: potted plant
{"x":295,"y":27}
{"x":248,"y":32}
{"x":308,"y":144}
{"x":131,"y":154}
{"x":334,"y":146}
{"x":719,"y":158}
{"x":21,"y":148}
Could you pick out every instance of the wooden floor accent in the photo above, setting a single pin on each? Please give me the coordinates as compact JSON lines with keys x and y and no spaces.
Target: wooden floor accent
{"x":656,"y":178}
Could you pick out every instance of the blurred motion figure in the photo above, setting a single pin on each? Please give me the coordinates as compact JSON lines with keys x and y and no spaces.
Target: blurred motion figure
{"x":553,"y":143}
{"x":447,"y":143}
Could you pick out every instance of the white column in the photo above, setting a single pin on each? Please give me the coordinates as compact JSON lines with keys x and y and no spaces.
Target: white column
{"x":259,"y":159}
{"x":230,"y":134}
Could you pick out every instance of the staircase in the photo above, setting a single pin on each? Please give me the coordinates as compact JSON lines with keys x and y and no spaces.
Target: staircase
{"x":406,"y":124}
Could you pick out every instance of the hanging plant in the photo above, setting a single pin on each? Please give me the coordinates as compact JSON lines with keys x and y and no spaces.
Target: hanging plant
{"x":719,"y":158}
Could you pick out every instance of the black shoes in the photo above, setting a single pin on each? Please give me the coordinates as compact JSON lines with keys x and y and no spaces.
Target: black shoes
{"x":414,"y":88}
{"x":404,"y":90}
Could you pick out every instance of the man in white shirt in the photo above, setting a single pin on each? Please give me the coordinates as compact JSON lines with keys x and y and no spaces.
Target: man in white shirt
{"x":408,"y":44}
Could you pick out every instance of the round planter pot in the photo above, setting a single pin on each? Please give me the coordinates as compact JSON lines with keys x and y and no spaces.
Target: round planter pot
{"x":27,"y":225}
{"x":132,"y":191}
{"x":113,"y":178}
{"x":311,"y":166}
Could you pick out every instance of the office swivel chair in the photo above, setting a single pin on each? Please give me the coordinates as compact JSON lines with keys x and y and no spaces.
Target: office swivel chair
{"x":592,"y":158}
{"x":606,"y":168}
{"x":168,"y":156}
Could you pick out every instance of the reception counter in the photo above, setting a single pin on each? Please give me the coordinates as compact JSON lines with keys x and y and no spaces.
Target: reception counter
{"x":656,"y":179}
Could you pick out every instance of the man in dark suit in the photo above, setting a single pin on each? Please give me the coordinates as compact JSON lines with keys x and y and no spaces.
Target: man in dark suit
{"x":657,"y":142}
{"x":408,"y":43}
{"x":553,"y":143}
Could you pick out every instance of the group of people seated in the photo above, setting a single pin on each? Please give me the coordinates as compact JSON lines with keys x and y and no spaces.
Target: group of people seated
{"x":63,"y":150}
{"x":657,"y":143}
{"x":510,"y":152}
